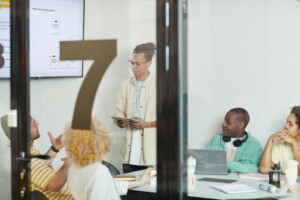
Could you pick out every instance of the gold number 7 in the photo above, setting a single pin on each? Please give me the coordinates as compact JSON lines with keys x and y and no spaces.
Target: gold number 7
{"x":102,"y":52}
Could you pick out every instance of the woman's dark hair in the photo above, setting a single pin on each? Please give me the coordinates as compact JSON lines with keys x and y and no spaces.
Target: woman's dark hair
{"x":148,"y":49}
{"x":296,"y":111}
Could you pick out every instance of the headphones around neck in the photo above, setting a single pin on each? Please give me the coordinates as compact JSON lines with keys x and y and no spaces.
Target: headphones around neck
{"x":236,"y":143}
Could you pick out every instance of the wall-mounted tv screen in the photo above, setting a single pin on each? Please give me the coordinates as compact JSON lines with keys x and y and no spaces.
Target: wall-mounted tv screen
{"x":50,"y":21}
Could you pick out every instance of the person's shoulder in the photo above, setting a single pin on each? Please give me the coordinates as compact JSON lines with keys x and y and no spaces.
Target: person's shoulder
{"x":100,"y":169}
{"x":128,"y":80}
{"x":217,"y":136}
{"x":150,"y":80}
{"x":93,"y":168}
{"x":252,"y":138}
{"x":99,"y":166}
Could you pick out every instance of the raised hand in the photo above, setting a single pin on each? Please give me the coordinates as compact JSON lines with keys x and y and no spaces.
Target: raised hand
{"x":56,"y":142}
{"x":121,"y":124}
{"x":282,"y":136}
{"x":287,"y":137}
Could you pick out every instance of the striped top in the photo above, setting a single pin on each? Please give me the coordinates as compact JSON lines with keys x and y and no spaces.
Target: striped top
{"x":41,"y":174}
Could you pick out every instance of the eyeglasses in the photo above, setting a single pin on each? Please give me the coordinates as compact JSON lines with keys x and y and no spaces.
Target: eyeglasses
{"x":137,"y":64}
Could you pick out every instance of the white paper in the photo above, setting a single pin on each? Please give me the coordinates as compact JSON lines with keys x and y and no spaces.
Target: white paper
{"x":234,"y":188}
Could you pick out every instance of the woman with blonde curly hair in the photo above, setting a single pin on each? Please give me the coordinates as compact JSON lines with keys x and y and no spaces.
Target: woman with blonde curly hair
{"x":88,"y":178}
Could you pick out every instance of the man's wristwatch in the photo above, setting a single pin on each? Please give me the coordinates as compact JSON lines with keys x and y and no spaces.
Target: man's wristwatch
{"x":54,"y":149}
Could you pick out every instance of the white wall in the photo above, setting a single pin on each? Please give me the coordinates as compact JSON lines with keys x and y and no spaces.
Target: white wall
{"x":242,"y":53}
{"x":131,"y":22}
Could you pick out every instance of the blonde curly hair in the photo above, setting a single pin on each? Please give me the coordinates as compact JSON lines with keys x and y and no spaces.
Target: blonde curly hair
{"x":85,"y":147}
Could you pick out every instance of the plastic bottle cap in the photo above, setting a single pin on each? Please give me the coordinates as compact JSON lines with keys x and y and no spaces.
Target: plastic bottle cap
{"x":191,"y":161}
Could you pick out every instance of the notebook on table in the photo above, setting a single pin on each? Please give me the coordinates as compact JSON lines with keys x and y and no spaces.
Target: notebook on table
{"x":123,"y":177}
{"x":234,"y":188}
{"x":209,"y":161}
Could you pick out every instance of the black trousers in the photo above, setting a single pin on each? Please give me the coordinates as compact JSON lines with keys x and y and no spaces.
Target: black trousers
{"x":131,"y":168}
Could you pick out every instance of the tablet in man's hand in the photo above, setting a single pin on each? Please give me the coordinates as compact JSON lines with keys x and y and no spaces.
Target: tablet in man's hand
{"x":125,"y":119}
{"x":120,"y":119}
{"x":133,"y":120}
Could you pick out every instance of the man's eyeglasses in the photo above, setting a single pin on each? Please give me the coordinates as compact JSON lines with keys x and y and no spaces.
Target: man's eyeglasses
{"x":137,"y":64}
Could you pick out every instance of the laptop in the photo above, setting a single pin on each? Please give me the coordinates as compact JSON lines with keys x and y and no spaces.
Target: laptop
{"x":209,"y":161}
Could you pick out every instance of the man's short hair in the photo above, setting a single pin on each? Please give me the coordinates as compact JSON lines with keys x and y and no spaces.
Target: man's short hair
{"x":242,"y":115}
{"x":148,"y":49}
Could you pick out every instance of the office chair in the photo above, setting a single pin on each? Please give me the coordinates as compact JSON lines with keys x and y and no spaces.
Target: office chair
{"x":112,"y":169}
{"x":36,"y":195}
{"x":5,"y":127}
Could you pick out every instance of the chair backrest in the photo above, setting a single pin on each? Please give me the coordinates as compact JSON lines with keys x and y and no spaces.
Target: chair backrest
{"x":36,"y":195}
{"x":113,"y":170}
{"x":5,"y":127}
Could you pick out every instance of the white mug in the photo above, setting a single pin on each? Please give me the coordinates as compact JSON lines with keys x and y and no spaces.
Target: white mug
{"x":153,"y":181}
{"x":291,"y":171}
{"x":192,"y":180}
{"x":191,"y":165}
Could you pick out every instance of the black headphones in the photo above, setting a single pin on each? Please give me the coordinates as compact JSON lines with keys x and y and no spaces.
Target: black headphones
{"x":236,"y":143}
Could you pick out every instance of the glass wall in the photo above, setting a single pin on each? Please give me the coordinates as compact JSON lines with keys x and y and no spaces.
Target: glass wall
{"x":53,"y":99}
{"x":5,"y":150}
{"x":241,"y":54}
{"x":5,"y":147}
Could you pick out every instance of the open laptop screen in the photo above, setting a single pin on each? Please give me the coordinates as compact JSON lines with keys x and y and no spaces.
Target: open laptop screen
{"x":209,"y":161}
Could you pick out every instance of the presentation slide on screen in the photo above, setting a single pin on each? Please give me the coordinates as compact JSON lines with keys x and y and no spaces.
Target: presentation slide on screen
{"x":51,"y":21}
{"x":5,"y":37}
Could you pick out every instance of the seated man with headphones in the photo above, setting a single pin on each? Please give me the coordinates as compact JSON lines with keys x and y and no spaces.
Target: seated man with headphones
{"x":243,"y":150}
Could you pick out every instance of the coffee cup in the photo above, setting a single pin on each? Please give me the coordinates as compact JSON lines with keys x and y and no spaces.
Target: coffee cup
{"x":192,"y":180}
{"x":291,"y":171}
{"x":191,"y":165}
{"x":153,"y":181}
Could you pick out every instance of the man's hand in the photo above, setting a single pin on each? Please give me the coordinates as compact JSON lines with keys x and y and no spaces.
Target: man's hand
{"x":141,"y":124}
{"x":138,"y":125}
{"x":121,"y":124}
{"x":56,"y":142}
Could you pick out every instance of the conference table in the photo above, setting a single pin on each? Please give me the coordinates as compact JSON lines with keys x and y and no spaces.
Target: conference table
{"x":203,"y":189}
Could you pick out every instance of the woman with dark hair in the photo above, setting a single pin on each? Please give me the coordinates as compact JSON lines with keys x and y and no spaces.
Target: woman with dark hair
{"x":284,"y":144}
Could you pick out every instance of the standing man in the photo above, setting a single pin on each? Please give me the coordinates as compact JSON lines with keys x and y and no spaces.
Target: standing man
{"x":137,"y":99}
{"x":243,"y":150}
